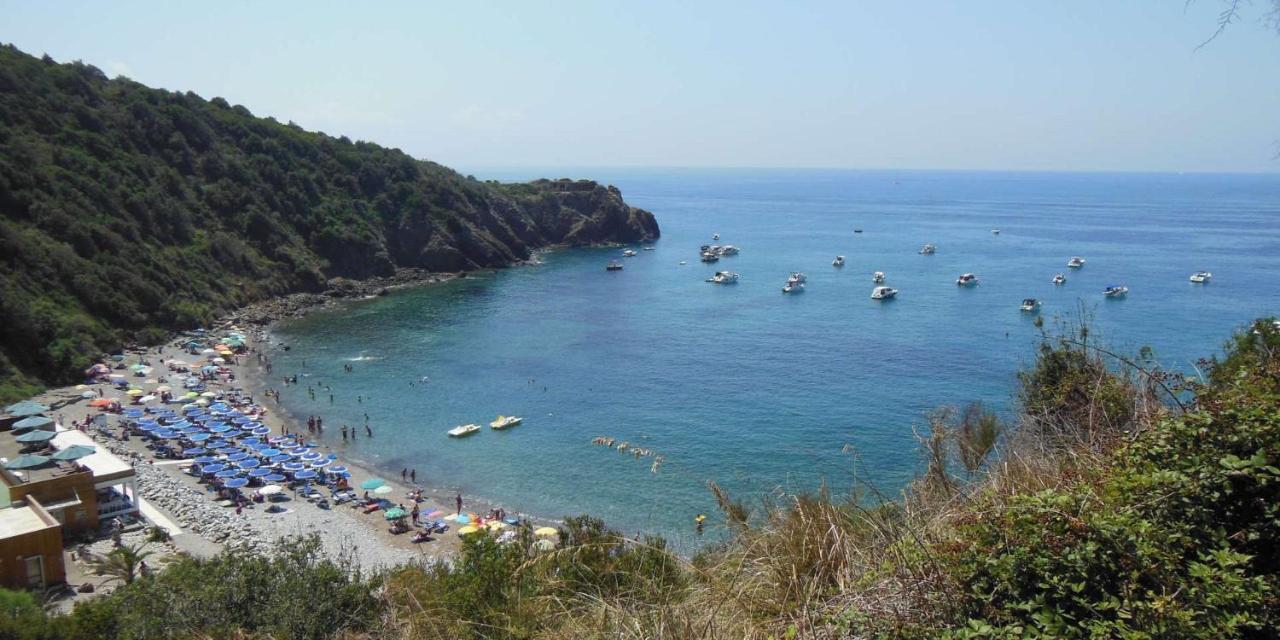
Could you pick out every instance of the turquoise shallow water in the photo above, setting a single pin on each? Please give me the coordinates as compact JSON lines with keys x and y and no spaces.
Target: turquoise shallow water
{"x":761,"y":391}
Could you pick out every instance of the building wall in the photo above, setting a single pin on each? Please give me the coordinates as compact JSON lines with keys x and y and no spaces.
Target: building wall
{"x":14,"y":552}
{"x":75,"y":519}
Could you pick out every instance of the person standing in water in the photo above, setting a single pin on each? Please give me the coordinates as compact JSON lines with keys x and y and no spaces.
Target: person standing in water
{"x":458,"y":500}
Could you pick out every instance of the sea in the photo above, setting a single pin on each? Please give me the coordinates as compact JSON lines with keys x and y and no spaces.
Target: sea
{"x":768,"y":394}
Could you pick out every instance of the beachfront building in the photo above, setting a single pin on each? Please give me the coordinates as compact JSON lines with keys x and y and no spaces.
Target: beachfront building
{"x":30,"y":546}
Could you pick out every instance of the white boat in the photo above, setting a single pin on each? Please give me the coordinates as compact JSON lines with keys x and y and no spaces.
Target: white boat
{"x":629,"y":253}
{"x":1075,"y":262}
{"x":1201,"y":277}
{"x":728,"y":250}
{"x":684,"y":262}
{"x":1059,"y":279}
{"x":1115,"y":291}
{"x":877,"y":277}
{"x":1030,"y":305}
{"x":883,"y":293}
{"x":463,"y":430}
{"x":928,"y":250}
{"x":613,"y":265}
{"x":797,"y":277}
{"x":505,"y":421}
{"x":838,"y":262}
{"x":995,"y":232}
{"x":715,"y":236}
{"x":724,"y":277}
{"x":967,"y":280}
{"x":710,"y":257}
{"x":793,"y":287}
{"x":649,"y":248}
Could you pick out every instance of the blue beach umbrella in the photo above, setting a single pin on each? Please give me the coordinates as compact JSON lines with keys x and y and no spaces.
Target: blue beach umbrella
{"x":268,"y":452}
{"x":33,"y":422}
{"x":320,"y":463}
{"x":212,"y":468}
{"x":26,"y":461}
{"x":227,"y":473}
{"x":305,"y":475}
{"x":277,"y":459}
{"x":235,"y":483}
{"x":250,"y":441}
{"x":166,"y":434}
{"x":294,"y":466}
{"x":275,"y":477}
{"x":372,"y":483}
{"x":147,"y":427}
{"x":260,"y":472}
{"x":309,"y":457}
{"x":25,"y":408}
{"x":199,"y":437}
{"x":337,"y":469}
{"x":205,"y":460}
{"x":297,"y":451}
{"x":36,"y":436}
{"x":195,"y":451}
{"x":261,"y":431}
{"x":249,"y":464}
{"x":133,"y":412}
{"x":74,"y":452}
{"x":238,"y":456}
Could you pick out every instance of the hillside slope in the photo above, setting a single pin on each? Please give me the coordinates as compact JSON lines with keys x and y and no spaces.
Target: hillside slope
{"x":127,"y":211}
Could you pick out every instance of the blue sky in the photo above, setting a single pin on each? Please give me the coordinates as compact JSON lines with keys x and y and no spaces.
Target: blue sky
{"x":962,"y":84}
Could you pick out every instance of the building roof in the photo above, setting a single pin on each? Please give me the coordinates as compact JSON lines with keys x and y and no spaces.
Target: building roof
{"x":104,"y":464}
{"x":16,"y":521}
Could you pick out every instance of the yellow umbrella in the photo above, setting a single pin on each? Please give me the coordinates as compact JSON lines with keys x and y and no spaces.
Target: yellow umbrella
{"x":496,"y":525}
{"x":191,"y":394}
{"x":226,"y":352}
{"x":467,"y":530}
{"x":546,"y":531}
{"x":133,"y":392}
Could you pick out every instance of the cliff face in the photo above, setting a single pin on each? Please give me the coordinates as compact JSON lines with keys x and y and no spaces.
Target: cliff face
{"x":126,"y":212}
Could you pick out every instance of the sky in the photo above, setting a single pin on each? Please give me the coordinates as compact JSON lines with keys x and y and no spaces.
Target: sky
{"x":1038,"y":85}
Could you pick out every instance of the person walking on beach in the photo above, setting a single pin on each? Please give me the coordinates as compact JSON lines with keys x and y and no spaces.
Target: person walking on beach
{"x":413,"y":475}
{"x":404,"y":474}
{"x":458,"y":500}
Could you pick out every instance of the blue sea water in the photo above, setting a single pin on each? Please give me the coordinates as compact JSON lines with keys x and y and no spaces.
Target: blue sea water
{"x":760,"y":391}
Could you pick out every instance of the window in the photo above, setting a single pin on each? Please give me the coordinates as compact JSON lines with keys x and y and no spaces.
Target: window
{"x":35,"y":571}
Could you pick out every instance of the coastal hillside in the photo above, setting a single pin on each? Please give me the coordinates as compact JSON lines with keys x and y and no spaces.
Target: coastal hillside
{"x":127,"y":212}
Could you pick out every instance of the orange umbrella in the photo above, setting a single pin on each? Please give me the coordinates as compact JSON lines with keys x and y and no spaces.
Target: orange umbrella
{"x":102,"y":402}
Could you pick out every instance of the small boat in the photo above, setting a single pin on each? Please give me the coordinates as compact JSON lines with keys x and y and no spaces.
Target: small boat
{"x":728,"y":250}
{"x":1030,"y":305}
{"x":649,"y":248}
{"x":1201,"y":277}
{"x":883,"y":293}
{"x":629,"y":253}
{"x":724,"y":277}
{"x":1059,"y":279}
{"x":967,"y":280}
{"x":613,"y":265}
{"x":928,"y":250}
{"x":1115,"y":291}
{"x":995,"y":232}
{"x":463,"y":430}
{"x":793,"y":287}
{"x":1075,"y":262}
{"x":710,"y":257}
{"x":838,"y":262}
{"x":505,"y":421}
{"x":715,"y":236}
{"x":857,"y":230}
{"x":797,"y":277}
{"x":877,"y":277}
{"x":683,"y":262}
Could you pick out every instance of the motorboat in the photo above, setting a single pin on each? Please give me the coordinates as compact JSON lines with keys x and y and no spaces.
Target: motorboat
{"x":838,"y":262}
{"x":995,"y":232}
{"x":728,"y":250}
{"x":1059,"y":279}
{"x":715,"y":236}
{"x":797,"y":277}
{"x":505,"y":421}
{"x":857,"y":230}
{"x":793,"y":287}
{"x":1201,"y":277}
{"x":967,"y":280}
{"x":883,"y":293}
{"x":1115,"y":291}
{"x":877,"y":277}
{"x":1075,"y":262}
{"x":1030,"y":305}
{"x":724,"y":277}
{"x":710,"y":257}
{"x":613,"y":265}
{"x":649,"y":248}
{"x":683,"y":262}
{"x":463,"y":430}
{"x":629,"y":253}
{"x":928,"y":250}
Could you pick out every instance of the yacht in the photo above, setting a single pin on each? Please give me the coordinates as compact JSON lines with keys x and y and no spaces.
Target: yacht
{"x":1059,"y":279}
{"x":793,"y":287}
{"x":1115,"y":291}
{"x":797,"y":277}
{"x":838,"y":262}
{"x":967,"y":280}
{"x":883,"y":293}
{"x":1075,"y":262}
{"x":1201,"y":277}
{"x":1030,"y":305}
{"x":728,"y":250}
{"x":877,"y":277}
{"x":710,"y":257}
{"x":505,"y":421}
{"x":613,"y":265}
{"x":463,"y":430}
{"x":928,"y":250}
{"x":629,"y":253}
{"x":724,"y":277}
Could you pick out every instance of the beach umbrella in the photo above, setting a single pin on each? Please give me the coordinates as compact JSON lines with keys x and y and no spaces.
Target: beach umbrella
{"x":337,"y":469}
{"x":496,"y":525}
{"x":451,"y":517}
{"x":134,"y":392}
{"x":294,"y":466}
{"x":383,"y":490}
{"x":74,"y":452}
{"x":305,"y":474}
{"x":200,"y":437}
{"x":163,"y":388}
{"x":26,"y":461}
{"x":546,"y":532}
{"x":270,"y":490}
{"x":249,"y":464}
{"x":314,"y":455}
{"x":464,"y":518}
{"x":133,"y":413}
{"x":34,"y":422}
{"x":372,"y":483}
{"x":468,"y":530}
{"x":251,"y":441}
{"x":88,"y":394}
{"x":434,"y":514}
{"x":277,"y":459}
{"x":147,"y":427}
{"x":261,"y":430}
{"x":102,"y":402}
{"x":235,"y":483}
{"x":269,"y":452}
{"x":394,"y":513}
{"x":320,"y":463}
{"x":194,"y":451}
{"x":260,"y":472}
{"x":226,"y":451}
{"x":227,"y":473}
{"x":275,"y":477}
{"x":36,"y":436}
{"x":213,"y":468}
{"x":25,"y":408}
{"x":238,"y":456}
{"x":147,"y":398}
{"x":205,"y":459}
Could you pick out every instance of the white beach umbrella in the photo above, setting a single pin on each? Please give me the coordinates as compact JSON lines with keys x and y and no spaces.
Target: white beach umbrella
{"x":270,"y":490}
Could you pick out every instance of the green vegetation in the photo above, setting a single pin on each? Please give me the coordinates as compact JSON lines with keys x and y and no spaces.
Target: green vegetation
{"x":1162,"y":525}
{"x":128,"y":212}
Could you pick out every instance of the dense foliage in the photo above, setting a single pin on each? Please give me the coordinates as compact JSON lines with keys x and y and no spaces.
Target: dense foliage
{"x":127,"y":211}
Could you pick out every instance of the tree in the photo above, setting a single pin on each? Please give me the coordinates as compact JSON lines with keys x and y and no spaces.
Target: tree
{"x":123,"y":564}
